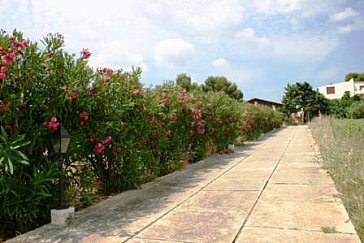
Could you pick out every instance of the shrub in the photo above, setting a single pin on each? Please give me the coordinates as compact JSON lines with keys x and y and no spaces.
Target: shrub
{"x":356,"y":110}
{"x":122,"y":134}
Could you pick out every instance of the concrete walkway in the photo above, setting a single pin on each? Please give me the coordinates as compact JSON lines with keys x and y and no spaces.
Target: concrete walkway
{"x":271,"y":190}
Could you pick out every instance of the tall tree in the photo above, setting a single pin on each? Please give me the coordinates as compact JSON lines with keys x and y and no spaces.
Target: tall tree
{"x":217,"y":83}
{"x":185,"y":82}
{"x":301,"y":96}
{"x":355,"y":76}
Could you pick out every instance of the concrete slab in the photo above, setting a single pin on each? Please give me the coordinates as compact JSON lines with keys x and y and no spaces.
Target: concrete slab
{"x":303,"y":193}
{"x":300,"y":215}
{"x":141,"y":240}
{"x":256,"y":164}
{"x":251,"y":181}
{"x":306,"y":175}
{"x":271,"y":235}
{"x":195,"y":226}
{"x":221,"y":200}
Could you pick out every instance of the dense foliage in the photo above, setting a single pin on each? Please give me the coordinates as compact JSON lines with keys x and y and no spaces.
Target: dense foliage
{"x":346,"y":107}
{"x":301,"y":96}
{"x":122,"y":133}
{"x":184,"y":81}
{"x":354,"y":76}
{"x":217,"y":84}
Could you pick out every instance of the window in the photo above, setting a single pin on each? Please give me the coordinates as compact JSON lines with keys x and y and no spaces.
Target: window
{"x":330,"y":90}
{"x":361,"y":87}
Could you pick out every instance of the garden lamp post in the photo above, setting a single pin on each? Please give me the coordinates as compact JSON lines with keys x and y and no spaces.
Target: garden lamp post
{"x":60,"y":141}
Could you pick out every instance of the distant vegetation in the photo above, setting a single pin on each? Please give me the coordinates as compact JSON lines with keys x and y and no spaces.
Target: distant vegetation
{"x":355,"y":76}
{"x":301,"y":96}
{"x":212,"y":83}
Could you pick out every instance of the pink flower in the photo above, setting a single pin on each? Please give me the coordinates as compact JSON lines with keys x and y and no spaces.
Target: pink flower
{"x":181,"y":99}
{"x":200,"y":124}
{"x":196,"y":113}
{"x":152,"y":117}
{"x":136,"y":92}
{"x":4,"y":107}
{"x":3,"y":69}
{"x":64,"y":88}
{"x":1,"y":50}
{"x":2,"y":75}
{"x":105,"y":78}
{"x":115,"y":150}
{"x":6,"y":60}
{"x":168,"y":133}
{"x":201,"y":130}
{"x":84,"y":116}
{"x":161,"y":123}
{"x":191,"y":133}
{"x":72,"y":97}
{"x":174,"y":117}
{"x":229,"y":151}
{"x":165,"y":101}
{"x":93,"y":138}
{"x":99,"y":148}
{"x":107,"y":140}
{"x":85,"y":53}
{"x":52,"y":124}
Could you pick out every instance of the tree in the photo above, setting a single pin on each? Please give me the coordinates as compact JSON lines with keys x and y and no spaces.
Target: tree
{"x":185,"y":82}
{"x":300,"y":96}
{"x":216,"y":83}
{"x":355,"y":76}
{"x":339,"y":108}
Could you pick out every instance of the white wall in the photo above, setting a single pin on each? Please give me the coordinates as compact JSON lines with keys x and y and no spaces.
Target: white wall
{"x":359,"y":88}
{"x":340,"y":89}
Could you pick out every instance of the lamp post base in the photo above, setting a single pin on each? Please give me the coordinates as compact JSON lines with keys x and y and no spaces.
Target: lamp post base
{"x":62,"y":216}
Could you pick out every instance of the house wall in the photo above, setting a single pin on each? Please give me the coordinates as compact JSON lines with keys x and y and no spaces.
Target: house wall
{"x":359,"y":88}
{"x":340,"y":89}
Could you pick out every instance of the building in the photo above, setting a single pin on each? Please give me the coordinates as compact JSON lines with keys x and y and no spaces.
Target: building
{"x":256,"y":101}
{"x":337,"y":90}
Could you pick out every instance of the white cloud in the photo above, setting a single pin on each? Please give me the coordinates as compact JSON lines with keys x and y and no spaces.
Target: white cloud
{"x":116,"y":55}
{"x":216,"y":14}
{"x":298,"y":47}
{"x":294,"y":47}
{"x":278,"y":6}
{"x":218,"y":63}
{"x":346,"y":14}
{"x":249,"y":37}
{"x":345,"y":28}
{"x":174,"y":52}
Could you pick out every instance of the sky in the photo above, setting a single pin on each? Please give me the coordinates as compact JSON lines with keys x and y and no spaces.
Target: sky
{"x":261,"y":45}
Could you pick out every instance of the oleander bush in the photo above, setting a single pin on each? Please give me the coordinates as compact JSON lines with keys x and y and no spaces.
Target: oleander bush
{"x":123,"y":134}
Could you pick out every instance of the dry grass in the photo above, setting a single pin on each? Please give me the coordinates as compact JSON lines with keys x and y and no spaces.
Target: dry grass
{"x":341,"y":143}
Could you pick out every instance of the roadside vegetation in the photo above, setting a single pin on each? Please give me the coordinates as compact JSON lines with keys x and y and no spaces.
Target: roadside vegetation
{"x":123,"y":133}
{"x":341,"y":143}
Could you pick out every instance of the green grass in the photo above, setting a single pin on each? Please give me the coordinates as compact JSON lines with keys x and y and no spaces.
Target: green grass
{"x":328,"y":229}
{"x":341,"y":143}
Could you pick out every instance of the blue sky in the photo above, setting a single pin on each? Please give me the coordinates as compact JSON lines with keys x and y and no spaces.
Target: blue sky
{"x":261,"y":45}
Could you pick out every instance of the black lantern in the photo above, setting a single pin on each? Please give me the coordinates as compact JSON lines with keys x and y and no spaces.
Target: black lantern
{"x":60,"y":141}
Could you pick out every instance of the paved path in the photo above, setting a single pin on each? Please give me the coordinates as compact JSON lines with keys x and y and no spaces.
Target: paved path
{"x":271,"y":190}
